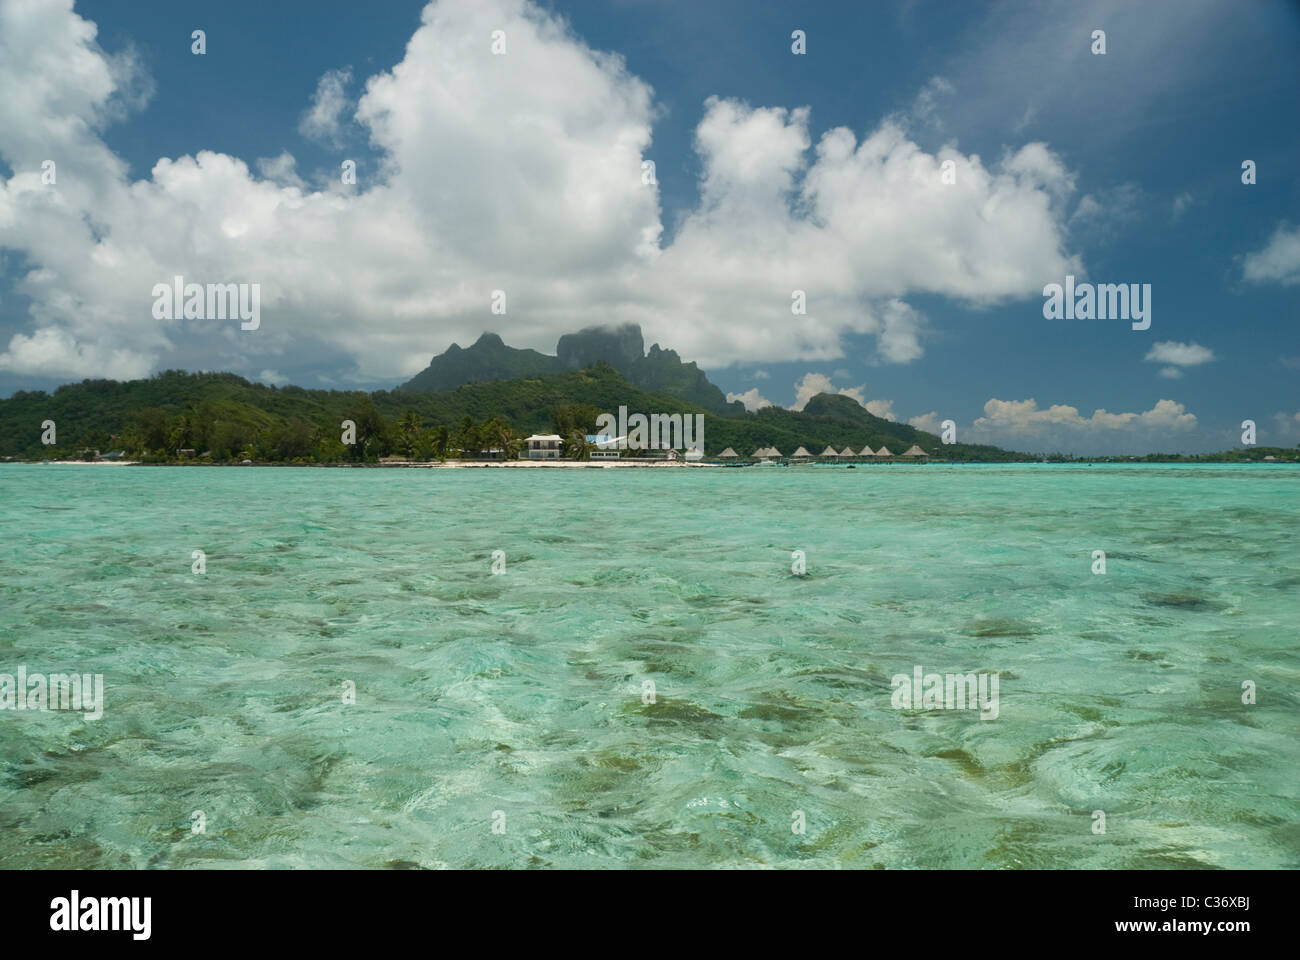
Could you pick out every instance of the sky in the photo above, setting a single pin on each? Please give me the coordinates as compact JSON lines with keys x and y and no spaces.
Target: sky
{"x":917,"y":177}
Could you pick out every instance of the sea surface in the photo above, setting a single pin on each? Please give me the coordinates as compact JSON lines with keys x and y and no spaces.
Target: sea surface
{"x":504,"y":719}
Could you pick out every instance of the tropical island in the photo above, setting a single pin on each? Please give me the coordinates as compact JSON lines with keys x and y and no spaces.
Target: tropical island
{"x":475,"y":404}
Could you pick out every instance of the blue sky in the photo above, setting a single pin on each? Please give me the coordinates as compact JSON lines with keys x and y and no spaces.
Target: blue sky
{"x":478,"y":172}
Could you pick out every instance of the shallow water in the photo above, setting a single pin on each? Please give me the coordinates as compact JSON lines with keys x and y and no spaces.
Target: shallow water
{"x":523,"y":692}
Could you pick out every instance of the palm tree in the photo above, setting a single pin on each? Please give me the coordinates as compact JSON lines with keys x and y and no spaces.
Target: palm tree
{"x":577,"y":447}
{"x":497,"y":433}
{"x":467,"y":436}
{"x":441,"y":439}
{"x":408,"y":432}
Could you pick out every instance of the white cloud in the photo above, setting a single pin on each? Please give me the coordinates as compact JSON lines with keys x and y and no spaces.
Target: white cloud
{"x":814,"y":383}
{"x":1278,"y":262}
{"x":322,"y":120}
{"x":1102,"y":215}
{"x":1179,"y":354}
{"x":752,"y":399}
{"x":880,"y":408}
{"x":282,"y":169}
{"x":545,"y":202}
{"x":1181,"y":203}
{"x":1024,"y":414}
{"x":925,"y":106}
{"x":1022,"y":425}
{"x":1171,"y":373}
{"x":1288,"y":425}
{"x":761,"y":375}
{"x":929,"y":422}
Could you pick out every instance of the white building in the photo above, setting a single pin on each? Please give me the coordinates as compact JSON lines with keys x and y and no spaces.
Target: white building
{"x":544,"y":446}
{"x":602,"y":446}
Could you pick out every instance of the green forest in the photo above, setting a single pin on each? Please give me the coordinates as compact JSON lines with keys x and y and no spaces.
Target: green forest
{"x":176,"y":416}
{"x":179,"y":417}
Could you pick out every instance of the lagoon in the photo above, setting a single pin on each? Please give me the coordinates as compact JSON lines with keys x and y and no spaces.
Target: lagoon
{"x":519,"y":699}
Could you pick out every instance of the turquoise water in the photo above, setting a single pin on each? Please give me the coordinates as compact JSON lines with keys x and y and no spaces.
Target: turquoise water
{"x":523,"y":692}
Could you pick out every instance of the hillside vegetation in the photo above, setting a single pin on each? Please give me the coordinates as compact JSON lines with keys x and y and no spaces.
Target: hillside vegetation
{"x":231,"y":418}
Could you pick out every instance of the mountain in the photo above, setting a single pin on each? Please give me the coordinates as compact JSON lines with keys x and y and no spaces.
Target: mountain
{"x":623,"y":348}
{"x":488,"y":359}
{"x":234,"y":418}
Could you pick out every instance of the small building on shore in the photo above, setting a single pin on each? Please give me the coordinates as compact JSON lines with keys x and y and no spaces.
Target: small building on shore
{"x":867,"y":452}
{"x":883,"y":452}
{"x":602,"y":446}
{"x":915,"y":451}
{"x":802,"y":452}
{"x":728,"y":454}
{"x":847,"y":452}
{"x":544,"y":446}
{"x":829,"y":452}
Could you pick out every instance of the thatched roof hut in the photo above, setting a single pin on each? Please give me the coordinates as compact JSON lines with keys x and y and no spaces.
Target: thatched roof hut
{"x":847,"y":452}
{"x":773,"y":452}
{"x":802,"y":452}
{"x":727,"y":454}
{"x":915,"y":451}
{"x":829,"y":452}
{"x":883,"y":452}
{"x":867,"y":452}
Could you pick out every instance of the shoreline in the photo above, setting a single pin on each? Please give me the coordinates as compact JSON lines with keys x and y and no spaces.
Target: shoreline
{"x":652,"y":465}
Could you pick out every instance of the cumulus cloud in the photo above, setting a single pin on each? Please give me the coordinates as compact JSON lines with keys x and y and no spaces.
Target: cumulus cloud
{"x":1181,"y":203}
{"x":546,"y":202}
{"x":1278,"y":261}
{"x":322,"y":121}
{"x":1023,"y":425}
{"x":282,"y":169}
{"x":880,"y":408}
{"x":929,"y":422}
{"x":1179,"y":354}
{"x":814,"y":383}
{"x":1024,"y":414}
{"x":752,"y":399}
